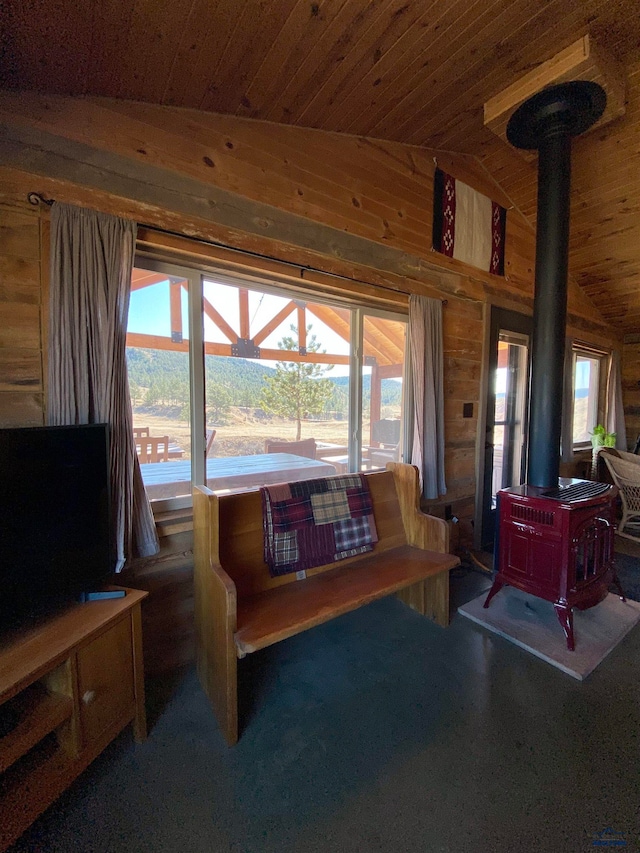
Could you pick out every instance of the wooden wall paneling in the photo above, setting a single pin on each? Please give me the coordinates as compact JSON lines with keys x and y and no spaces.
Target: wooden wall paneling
{"x":285,"y":59}
{"x":19,"y":237}
{"x":631,"y":387}
{"x":167,"y":615}
{"x":392,"y":26}
{"x":605,"y":222}
{"x":19,"y":325}
{"x":21,"y":408}
{"x":19,"y":276}
{"x":460,"y":431}
{"x":462,"y":342}
{"x":404,"y":71}
{"x":372,"y":252}
{"x":151,"y":39}
{"x":305,"y":173}
{"x":45,"y":260}
{"x":289,"y":48}
{"x":376,"y":218}
{"x":341,"y":26}
{"x":20,"y":368}
{"x":373,"y":79}
{"x":21,"y":381}
{"x":109,"y":44}
{"x":338,"y":28}
{"x":460,"y":51}
{"x":199,"y":50}
{"x":460,"y":467}
{"x":182,"y":194}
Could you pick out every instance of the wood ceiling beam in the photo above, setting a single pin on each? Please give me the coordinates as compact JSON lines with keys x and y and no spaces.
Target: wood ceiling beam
{"x":243,"y":299}
{"x":142,"y":278}
{"x":273,"y":323}
{"x":219,"y":321}
{"x":155,"y":188}
{"x":582,"y":60}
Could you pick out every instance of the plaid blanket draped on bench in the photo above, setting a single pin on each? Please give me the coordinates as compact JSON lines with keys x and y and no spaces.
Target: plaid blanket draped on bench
{"x":315,"y":522}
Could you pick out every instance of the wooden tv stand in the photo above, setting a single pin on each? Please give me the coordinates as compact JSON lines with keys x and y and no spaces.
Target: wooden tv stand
{"x":67,"y":688}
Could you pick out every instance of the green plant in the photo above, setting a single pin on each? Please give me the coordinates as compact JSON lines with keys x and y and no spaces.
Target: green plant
{"x":601,"y":438}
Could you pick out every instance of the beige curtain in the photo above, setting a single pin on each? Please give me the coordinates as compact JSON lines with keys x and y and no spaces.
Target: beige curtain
{"x":91,"y":262}
{"x":425,"y":341}
{"x":615,"y":406}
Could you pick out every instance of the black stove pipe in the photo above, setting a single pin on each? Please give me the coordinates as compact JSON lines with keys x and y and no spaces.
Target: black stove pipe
{"x":550,"y":307}
{"x":547,"y":121}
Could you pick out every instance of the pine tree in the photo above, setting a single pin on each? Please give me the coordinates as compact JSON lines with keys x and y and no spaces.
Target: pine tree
{"x":296,"y":390}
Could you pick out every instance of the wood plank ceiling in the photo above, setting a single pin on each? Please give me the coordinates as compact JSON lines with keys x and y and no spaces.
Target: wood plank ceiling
{"x":412,"y":71}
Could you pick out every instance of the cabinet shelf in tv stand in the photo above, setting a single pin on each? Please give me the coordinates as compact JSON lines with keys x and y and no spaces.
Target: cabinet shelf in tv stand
{"x":67,"y":688}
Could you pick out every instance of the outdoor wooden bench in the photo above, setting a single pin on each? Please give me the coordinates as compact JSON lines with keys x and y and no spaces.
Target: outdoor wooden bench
{"x":240,"y":608}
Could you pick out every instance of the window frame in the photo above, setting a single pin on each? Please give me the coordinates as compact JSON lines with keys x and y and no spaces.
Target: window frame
{"x":196,"y":275}
{"x":603,"y":357}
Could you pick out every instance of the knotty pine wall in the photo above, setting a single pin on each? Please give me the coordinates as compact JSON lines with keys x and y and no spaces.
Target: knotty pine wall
{"x":356,"y":207}
{"x":23,"y":250}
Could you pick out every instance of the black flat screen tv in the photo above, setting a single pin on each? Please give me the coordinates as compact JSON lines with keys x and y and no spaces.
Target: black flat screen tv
{"x":55,"y":517}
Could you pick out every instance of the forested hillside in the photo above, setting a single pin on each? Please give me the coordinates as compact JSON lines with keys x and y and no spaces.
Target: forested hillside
{"x":161,"y":378}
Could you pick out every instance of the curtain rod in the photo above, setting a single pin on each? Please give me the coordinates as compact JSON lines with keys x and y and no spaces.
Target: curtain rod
{"x":36,"y":199}
{"x":292,"y":264}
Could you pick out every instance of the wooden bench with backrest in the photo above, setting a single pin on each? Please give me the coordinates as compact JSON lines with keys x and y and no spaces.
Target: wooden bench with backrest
{"x":240,"y":608}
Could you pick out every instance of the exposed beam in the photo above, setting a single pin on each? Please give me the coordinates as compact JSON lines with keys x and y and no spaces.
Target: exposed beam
{"x":582,"y":60}
{"x":141,"y":341}
{"x":175,"y":308}
{"x":142,"y":278}
{"x":54,"y":157}
{"x":217,"y":318}
{"x":243,"y":306}
{"x":273,"y":323}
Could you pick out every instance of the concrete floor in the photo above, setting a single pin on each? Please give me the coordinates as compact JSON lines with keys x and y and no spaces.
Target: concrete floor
{"x":376,"y":732}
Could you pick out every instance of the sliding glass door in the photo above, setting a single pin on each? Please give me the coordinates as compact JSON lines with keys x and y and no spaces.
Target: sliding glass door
{"x":248,"y":383}
{"x":505,"y":413}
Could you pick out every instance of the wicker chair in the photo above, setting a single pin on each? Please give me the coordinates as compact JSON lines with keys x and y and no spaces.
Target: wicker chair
{"x":625,"y":471}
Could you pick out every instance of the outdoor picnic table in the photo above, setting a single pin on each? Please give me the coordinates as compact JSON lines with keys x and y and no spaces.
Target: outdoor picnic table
{"x":170,"y":479}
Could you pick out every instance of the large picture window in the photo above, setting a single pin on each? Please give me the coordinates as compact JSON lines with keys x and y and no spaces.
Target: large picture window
{"x":238,"y":384}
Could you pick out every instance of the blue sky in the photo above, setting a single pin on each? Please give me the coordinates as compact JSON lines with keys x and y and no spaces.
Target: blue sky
{"x":149,"y":314}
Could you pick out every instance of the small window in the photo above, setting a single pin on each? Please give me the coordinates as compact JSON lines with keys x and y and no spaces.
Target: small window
{"x":589,"y":375}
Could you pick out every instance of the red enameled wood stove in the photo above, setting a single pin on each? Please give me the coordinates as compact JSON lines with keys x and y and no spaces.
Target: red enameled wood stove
{"x":555,"y":536}
{"x":557,"y":544}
